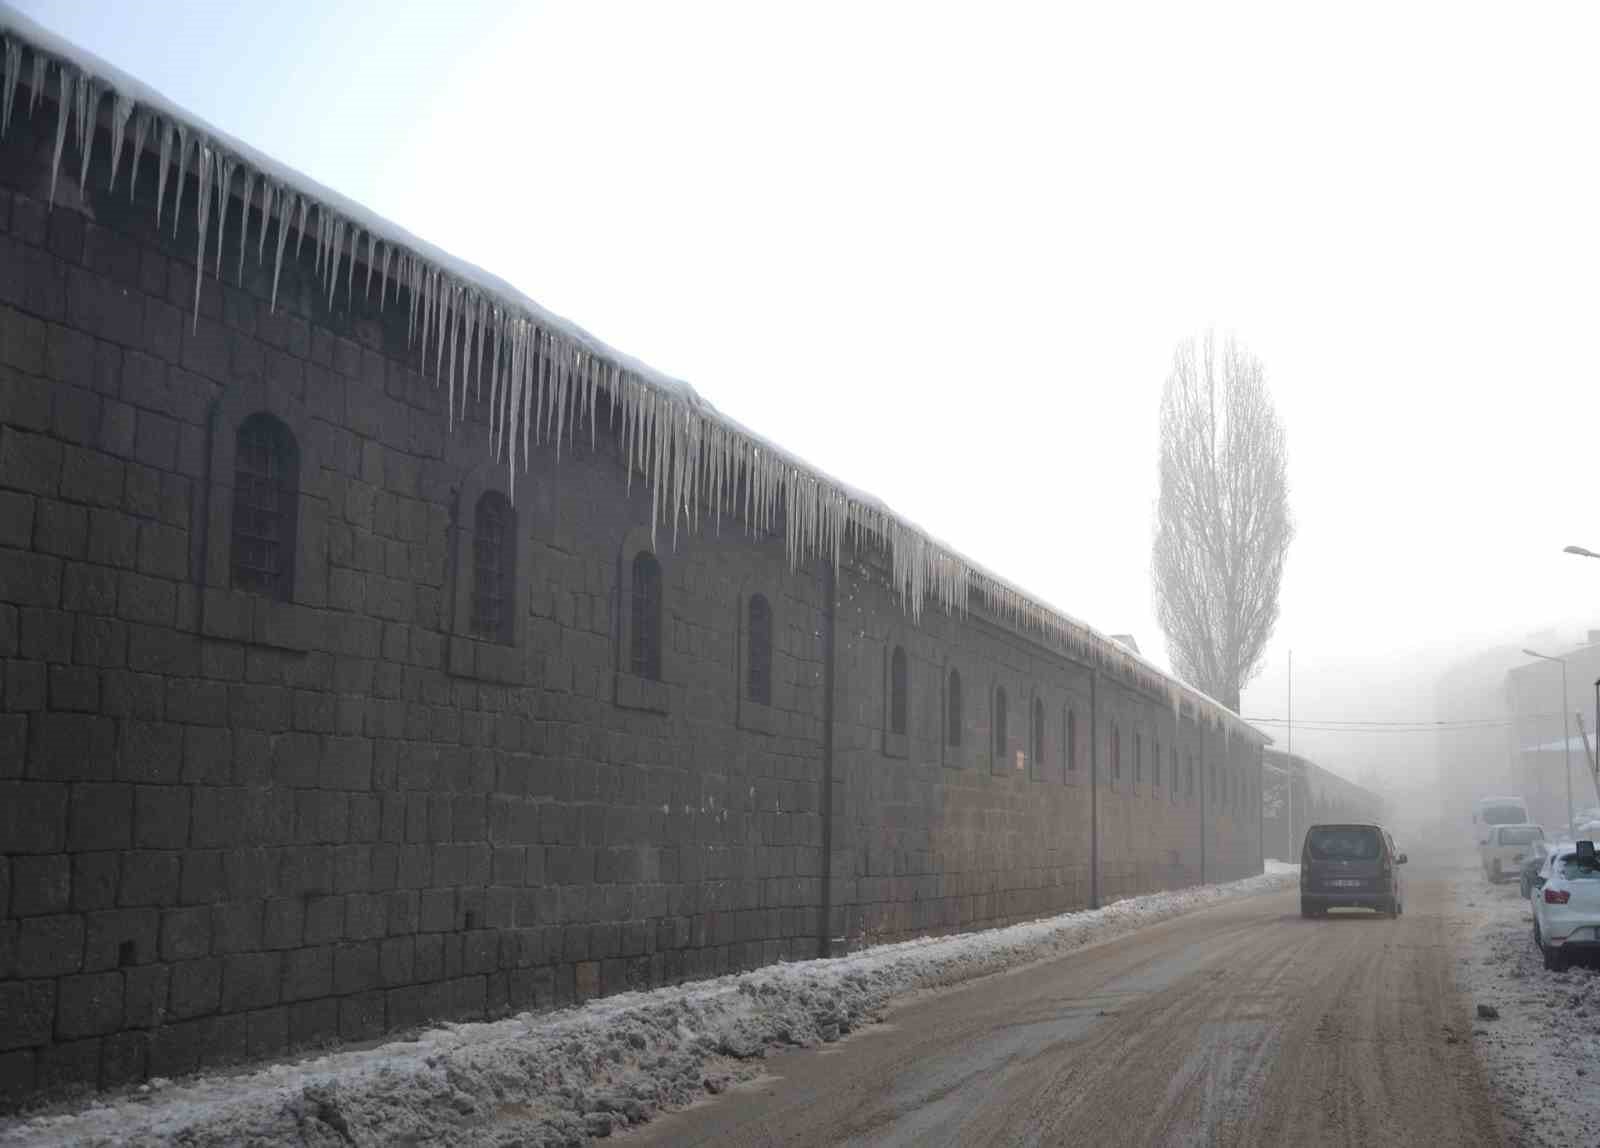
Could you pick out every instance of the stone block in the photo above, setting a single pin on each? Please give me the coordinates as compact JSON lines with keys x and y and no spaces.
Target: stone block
{"x":89,"y":1005}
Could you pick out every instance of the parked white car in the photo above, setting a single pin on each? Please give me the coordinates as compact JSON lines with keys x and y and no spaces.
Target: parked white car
{"x":1506,"y":847}
{"x":1566,"y":908}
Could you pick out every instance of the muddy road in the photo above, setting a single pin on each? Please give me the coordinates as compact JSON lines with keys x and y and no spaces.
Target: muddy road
{"x":1243,"y":1024}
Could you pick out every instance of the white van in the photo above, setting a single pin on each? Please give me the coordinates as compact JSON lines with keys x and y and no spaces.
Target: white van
{"x":1492,"y":811}
{"x":1507,"y":848}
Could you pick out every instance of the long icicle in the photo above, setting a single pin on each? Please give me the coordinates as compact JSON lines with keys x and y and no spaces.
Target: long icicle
{"x":247,"y":193}
{"x":270,"y":194}
{"x":8,"y":86}
{"x":63,"y":114}
{"x":286,"y":207}
{"x":143,"y":121}
{"x":224,"y":169}
{"x":203,"y":212}
{"x":36,"y":84}
{"x":121,"y":113}
{"x":183,"y":168}
{"x":169,"y":138}
{"x":88,"y":109}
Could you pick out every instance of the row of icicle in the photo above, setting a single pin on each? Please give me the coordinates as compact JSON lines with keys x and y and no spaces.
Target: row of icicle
{"x":540,"y":381}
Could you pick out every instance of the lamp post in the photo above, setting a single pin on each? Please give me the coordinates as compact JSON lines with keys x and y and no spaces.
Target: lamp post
{"x":1565,"y":731}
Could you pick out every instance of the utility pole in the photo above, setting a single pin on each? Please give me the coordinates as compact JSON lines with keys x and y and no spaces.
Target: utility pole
{"x":1291,"y":855}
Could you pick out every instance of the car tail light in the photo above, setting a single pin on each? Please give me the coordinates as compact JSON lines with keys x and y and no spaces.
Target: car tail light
{"x":1556,"y":896}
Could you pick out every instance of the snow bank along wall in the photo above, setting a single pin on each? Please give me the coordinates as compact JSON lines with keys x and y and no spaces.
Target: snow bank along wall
{"x":234,"y":822}
{"x":1317,"y":795}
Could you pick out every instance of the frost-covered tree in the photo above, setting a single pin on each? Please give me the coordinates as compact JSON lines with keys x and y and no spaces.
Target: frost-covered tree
{"x":1223,"y":526}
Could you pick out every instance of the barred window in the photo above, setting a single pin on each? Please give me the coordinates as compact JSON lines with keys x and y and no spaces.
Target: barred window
{"x":1116,"y":754}
{"x":1174,"y":786}
{"x":999,"y":721}
{"x":897,"y":690}
{"x":1038,"y":736}
{"x":494,"y":567}
{"x":1138,"y":759}
{"x":1188,"y":779}
{"x":953,"y":715}
{"x":646,"y":615}
{"x":758,"y":674}
{"x":1072,"y":740}
{"x":266,"y":473}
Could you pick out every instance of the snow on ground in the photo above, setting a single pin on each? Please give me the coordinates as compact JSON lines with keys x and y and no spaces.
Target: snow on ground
{"x":566,"y":1077}
{"x":1542,"y":1053}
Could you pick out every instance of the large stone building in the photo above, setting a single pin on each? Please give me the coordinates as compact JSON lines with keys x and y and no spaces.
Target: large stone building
{"x":1546,"y":743}
{"x":319,"y":720}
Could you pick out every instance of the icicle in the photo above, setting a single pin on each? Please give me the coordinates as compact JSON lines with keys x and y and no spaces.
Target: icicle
{"x":63,"y":113}
{"x":372,"y":243}
{"x":168,"y":139}
{"x":88,"y":108}
{"x":334,"y":233}
{"x":287,"y":202}
{"x":269,"y":195}
{"x":350,"y":274}
{"x":36,"y":85}
{"x":224,"y":171}
{"x":143,"y":121}
{"x":383,"y":286}
{"x":8,"y":86}
{"x":247,"y":193}
{"x":494,"y":381}
{"x":183,"y":167}
{"x":203,"y":209}
{"x":121,"y":113}
{"x":300,"y":233}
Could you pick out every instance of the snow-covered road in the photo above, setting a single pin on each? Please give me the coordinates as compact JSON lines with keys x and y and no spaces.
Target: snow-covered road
{"x":561,"y":1078}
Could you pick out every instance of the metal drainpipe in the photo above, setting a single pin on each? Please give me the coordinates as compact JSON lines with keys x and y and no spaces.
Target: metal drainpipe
{"x":1094,"y":790}
{"x":831,"y":597}
{"x":1201,"y":730}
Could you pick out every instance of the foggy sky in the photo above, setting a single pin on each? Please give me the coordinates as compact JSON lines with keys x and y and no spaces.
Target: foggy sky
{"x":946,"y":253}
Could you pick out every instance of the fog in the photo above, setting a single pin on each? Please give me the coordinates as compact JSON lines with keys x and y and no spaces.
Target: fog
{"x":948,"y":261}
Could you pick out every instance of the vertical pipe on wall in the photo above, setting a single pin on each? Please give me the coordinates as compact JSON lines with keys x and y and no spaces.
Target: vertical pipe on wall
{"x":1200,"y":734}
{"x":1094,"y":790}
{"x":830,"y":596}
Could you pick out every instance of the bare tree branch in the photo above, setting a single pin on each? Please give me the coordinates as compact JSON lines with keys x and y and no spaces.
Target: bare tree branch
{"x":1223,"y":525}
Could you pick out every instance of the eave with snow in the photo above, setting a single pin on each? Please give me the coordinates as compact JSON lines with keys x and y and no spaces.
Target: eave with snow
{"x":471,"y":329}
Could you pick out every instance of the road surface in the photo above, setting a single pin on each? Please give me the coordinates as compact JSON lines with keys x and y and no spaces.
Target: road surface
{"x":1240,"y":1025}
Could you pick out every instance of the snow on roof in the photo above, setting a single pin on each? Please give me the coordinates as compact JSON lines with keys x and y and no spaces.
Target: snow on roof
{"x":540,"y":367}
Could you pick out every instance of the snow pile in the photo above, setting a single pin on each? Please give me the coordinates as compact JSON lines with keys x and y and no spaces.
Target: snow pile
{"x":1542,"y":1050}
{"x":566,"y":1077}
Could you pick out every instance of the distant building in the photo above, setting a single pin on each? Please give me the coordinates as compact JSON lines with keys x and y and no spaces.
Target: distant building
{"x":1546,"y":731}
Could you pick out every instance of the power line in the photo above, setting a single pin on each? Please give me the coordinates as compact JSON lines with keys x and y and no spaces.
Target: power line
{"x":1414,"y":723}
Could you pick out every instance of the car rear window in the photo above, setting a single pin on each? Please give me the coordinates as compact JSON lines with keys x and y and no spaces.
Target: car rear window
{"x":1504,"y":814}
{"x":1521,"y":836}
{"x":1345,"y":843}
{"x":1573,"y":869}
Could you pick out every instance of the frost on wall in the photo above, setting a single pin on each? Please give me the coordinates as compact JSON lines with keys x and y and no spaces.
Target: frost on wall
{"x":543,"y":376}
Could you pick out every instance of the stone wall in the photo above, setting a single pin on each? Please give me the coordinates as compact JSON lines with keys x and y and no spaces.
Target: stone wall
{"x":231,"y":826}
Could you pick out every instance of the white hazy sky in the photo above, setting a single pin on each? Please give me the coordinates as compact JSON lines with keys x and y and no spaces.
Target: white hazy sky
{"x":945,"y":253}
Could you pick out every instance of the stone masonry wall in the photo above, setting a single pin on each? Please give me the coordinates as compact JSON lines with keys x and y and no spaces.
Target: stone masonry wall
{"x":232,"y":826}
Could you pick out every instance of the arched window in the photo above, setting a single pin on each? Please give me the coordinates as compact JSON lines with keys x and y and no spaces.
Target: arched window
{"x":952,"y":710}
{"x":999,"y":721}
{"x":897,"y":690}
{"x":266,"y":476}
{"x":494,"y":566}
{"x":758,"y":674}
{"x":1138,"y":759}
{"x":1072,"y":740}
{"x":645,"y":657}
{"x":1038,"y":736}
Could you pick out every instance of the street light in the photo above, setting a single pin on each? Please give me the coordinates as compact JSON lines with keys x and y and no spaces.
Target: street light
{"x":1565,"y":730}
{"x":1580,"y":551}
